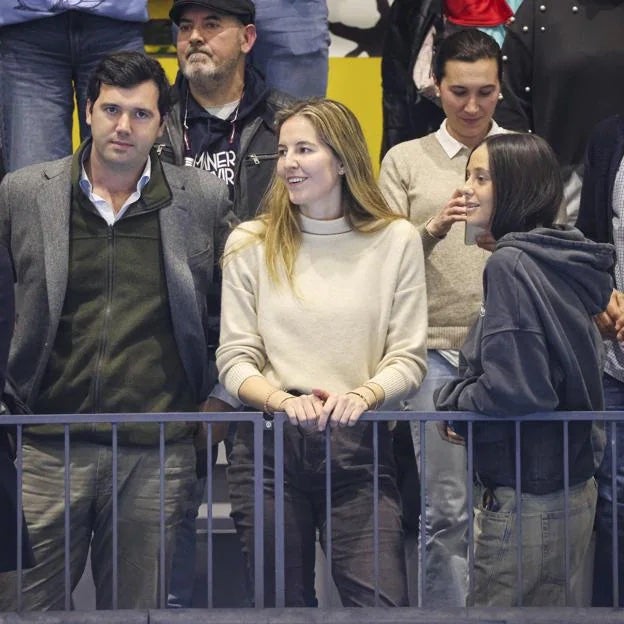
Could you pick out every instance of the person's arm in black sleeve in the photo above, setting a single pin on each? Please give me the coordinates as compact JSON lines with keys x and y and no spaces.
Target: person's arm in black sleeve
{"x":406,"y":114}
{"x":602,"y":157}
{"x":395,"y":76}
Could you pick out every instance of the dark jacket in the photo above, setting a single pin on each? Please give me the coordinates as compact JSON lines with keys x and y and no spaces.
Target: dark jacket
{"x":35,"y":205}
{"x":535,"y":348}
{"x":406,"y":114}
{"x":605,"y":151}
{"x":257,"y":147}
{"x":602,"y":161}
{"x":561,"y":72}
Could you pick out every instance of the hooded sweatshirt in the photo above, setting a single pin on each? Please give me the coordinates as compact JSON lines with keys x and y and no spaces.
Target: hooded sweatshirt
{"x":535,"y":348}
{"x":212,"y":143}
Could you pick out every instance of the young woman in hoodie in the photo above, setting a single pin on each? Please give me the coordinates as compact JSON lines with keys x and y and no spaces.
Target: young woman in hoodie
{"x":534,"y":348}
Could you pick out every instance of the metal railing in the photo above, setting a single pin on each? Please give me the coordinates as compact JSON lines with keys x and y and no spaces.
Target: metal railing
{"x":262,"y":428}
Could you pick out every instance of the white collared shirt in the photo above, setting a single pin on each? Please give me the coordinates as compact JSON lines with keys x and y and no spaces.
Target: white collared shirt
{"x":452,"y":146}
{"x":104,"y":208}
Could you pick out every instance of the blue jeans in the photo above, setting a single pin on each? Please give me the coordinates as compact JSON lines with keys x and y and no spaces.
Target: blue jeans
{"x":603,"y":577}
{"x":304,"y":513}
{"x":446,"y":513}
{"x":42,"y":63}
{"x":543,"y":544}
{"x":292,"y":45}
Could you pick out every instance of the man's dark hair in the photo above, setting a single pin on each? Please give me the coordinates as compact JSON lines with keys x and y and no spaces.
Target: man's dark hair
{"x":526,"y":180}
{"x":468,"y":45}
{"x":127,"y":70}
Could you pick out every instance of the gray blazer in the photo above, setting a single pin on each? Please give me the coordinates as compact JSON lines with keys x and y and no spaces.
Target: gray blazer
{"x":34,"y":226}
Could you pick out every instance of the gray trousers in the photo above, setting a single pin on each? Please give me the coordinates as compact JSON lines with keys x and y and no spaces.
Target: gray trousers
{"x":90,"y":519}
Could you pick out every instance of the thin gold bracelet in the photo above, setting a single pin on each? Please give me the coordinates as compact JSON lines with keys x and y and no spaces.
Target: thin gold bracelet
{"x":361,"y":397}
{"x":279,"y":407}
{"x":265,"y":406}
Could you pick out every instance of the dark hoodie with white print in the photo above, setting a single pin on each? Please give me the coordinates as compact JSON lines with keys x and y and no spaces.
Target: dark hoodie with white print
{"x":241,"y":150}
{"x":535,"y":348}
{"x":213,"y":144}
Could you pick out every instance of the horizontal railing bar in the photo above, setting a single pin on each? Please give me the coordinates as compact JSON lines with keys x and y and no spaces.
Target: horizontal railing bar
{"x":154,"y":417}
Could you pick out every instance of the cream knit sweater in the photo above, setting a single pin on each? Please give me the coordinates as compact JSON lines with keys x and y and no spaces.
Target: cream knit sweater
{"x":417,"y":179}
{"x":357,"y":312}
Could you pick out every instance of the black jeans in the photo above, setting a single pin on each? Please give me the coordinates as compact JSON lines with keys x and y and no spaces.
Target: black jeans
{"x":305,"y":512}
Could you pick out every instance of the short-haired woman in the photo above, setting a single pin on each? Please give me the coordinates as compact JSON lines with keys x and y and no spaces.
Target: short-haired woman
{"x":417,"y":179}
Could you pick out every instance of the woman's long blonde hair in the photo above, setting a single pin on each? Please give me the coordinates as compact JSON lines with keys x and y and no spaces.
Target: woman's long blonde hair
{"x":364,"y":206}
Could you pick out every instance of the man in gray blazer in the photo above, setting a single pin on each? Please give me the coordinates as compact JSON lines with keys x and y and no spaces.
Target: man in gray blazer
{"x":114,"y":255}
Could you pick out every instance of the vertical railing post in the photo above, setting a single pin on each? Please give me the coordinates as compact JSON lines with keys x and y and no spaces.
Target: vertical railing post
{"x":519,"y":551}
{"x":328,"y":512}
{"x":258,"y":429}
{"x":280,"y":551}
{"x":566,"y":509}
{"x":376,"y":509}
{"x":66,"y":515}
{"x":163,"y":576}
{"x":470,"y":505}
{"x":115,"y":487}
{"x":422,"y":551}
{"x":614,"y":516}
{"x":209,"y":519}
{"x":19,"y":465}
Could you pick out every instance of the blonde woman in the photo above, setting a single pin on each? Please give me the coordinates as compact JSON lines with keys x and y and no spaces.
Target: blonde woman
{"x":324,"y":316}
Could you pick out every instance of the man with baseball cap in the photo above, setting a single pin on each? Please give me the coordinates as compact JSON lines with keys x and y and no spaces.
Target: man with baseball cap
{"x":223,"y":116}
{"x":222,"y":120}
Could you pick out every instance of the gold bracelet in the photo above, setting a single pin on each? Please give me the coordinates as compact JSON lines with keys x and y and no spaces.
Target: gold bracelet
{"x":265,"y":406}
{"x":361,"y":397}
{"x":279,"y":407}
{"x":375,"y":399}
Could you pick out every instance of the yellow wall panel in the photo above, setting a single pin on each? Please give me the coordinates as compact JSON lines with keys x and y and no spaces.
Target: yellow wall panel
{"x":356,"y":82}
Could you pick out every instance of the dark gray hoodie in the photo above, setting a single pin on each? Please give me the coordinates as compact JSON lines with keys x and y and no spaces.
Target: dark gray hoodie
{"x":535,"y":348}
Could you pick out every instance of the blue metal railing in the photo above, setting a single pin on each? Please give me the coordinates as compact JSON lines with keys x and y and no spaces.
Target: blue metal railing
{"x":260,"y":427}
